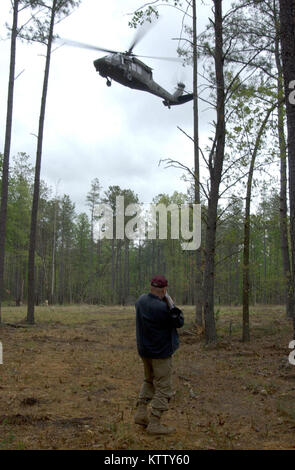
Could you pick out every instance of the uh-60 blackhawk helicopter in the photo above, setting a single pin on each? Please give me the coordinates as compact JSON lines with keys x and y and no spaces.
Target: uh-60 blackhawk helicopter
{"x":127,"y":69}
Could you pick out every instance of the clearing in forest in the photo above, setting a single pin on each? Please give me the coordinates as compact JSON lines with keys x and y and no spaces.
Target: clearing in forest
{"x":71,"y":382}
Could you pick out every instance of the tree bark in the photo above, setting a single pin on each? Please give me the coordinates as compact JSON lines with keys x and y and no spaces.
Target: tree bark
{"x":113,"y":272}
{"x":53,"y":254}
{"x":215,"y":167}
{"x":246,"y":257}
{"x":283,"y":208}
{"x":287,"y":36}
{"x":34,"y":213}
{"x":283,"y":171}
{"x":7,"y":145}
{"x":198,"y":258}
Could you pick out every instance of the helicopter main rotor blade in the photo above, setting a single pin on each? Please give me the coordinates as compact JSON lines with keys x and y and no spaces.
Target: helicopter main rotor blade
{"x":82,"y":45}
{"x":139,"y":36}
{"x":172,"y":59}
{"x":141,"y":32}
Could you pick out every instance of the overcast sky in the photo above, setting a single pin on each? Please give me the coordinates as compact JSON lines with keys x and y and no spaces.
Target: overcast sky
{"x":92,"y":131}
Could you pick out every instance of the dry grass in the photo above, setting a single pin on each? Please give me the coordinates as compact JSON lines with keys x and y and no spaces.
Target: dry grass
{"x":71,"y":382}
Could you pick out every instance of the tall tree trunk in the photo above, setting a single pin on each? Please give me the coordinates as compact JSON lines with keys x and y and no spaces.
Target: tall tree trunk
{"x":287,"y":21}
{"x":246,"y":257}
{"x":34,"y":213}
{"x":198,"y":283}
{"x":118,"y":272}
{"x":215,"y":167}
{"x":70,"y":284}
{"x":53,"y":255}
{"x":98,"y":252}
{"x":230,"y":283}
{"x":113,"y":272}
{"x":284,"y":214}
{"x":126,"y":271}
{"x":153,"y":256}
{"x":61,"y":284}
{"x":139,"y":267}
{"x":7,"y":145}
{"x":158,"y":256}
{"x":91,"y":255}
{"x":287,"y":34}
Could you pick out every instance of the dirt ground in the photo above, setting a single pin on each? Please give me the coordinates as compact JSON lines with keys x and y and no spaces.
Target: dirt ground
{"x":71,"y":381}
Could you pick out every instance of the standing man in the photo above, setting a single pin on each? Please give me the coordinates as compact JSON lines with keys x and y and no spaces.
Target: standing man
{"x":156,"y":321}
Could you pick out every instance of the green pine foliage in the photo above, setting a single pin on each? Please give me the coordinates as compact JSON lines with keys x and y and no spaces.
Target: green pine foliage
{"x":80,"y":269}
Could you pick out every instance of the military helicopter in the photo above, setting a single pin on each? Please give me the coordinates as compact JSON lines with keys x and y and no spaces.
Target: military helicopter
{"x":127,"y":69}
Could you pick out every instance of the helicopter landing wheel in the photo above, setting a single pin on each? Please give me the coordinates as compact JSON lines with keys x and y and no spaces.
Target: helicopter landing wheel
{"x":109,"y":82}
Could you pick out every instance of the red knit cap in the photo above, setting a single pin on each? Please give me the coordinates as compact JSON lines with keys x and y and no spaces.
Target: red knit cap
{"x":159,"y":281}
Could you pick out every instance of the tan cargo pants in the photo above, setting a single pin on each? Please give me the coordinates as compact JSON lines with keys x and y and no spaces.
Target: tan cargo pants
{"x":157,"y":385}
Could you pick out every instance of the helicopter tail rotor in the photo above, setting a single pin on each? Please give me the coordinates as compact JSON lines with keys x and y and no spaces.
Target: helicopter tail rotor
{"x":178,"y":96}
{"x":179,"y":90}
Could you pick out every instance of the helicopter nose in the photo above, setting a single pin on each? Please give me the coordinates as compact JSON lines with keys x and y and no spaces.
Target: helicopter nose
{"x":96,"y":64}
{"x":101,"y":66}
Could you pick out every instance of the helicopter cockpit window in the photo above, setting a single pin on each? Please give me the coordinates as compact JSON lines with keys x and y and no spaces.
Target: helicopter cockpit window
{"x":136,"y":68}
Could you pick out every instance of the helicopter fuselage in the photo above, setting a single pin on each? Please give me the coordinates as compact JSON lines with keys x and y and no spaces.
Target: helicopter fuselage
{"x":133,"y":73}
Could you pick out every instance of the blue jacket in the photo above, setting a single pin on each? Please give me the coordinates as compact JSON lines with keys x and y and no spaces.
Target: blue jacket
{"x":156,"y":325}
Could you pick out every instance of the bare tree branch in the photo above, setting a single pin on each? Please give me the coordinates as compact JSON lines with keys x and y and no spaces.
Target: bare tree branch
{"x":176,"y":164}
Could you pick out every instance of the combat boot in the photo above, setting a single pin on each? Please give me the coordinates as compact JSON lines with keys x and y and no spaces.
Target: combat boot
{"x":141,"y":416}
{"x":155,"y":427}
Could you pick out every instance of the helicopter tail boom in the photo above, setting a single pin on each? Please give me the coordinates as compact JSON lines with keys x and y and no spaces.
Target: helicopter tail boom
{"x":179,"y":100}
{"x":185,"y":98}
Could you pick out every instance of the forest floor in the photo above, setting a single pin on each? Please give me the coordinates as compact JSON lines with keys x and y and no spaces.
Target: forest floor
{"x":71,"y":382}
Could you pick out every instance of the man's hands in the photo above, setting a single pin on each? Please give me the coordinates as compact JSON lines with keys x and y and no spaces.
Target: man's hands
{"x":168,"y":300}
{"x":176,"y":314}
